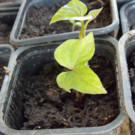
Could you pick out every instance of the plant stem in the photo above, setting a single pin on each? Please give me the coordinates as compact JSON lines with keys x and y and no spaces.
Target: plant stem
{"x":73,"y":27}
{"x":82,"y":32}
{"x":78,"y":96}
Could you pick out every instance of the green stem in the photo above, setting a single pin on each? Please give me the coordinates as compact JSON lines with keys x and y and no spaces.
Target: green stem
{"x":73,"y":27}
{"x":82,"y":32}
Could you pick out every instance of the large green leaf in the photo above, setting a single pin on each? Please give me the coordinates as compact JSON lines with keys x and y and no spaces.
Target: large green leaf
{"x":94,"y":13}
{"x":82,"y":79}
{"x":74,"y":52}
{"x":74,"y":10}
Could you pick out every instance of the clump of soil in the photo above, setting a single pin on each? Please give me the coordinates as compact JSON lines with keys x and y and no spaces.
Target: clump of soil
{"x":3,"y":1}
{"x":6,"y":24}
{"x":46,"y":106}
{"x":131,"y":67}
{"x":38,"y":19}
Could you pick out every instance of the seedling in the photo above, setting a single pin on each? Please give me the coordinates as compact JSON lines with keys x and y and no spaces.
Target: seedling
{"x":74,"y":54}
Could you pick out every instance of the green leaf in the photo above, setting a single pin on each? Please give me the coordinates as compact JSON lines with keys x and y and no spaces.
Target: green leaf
{"x":94,"y":14}
{"x":78,"y":24}
{"x":82,"y":79}
{"x":72,"y":21}
{"x":74,"y":10}
{"x":75,"y":51}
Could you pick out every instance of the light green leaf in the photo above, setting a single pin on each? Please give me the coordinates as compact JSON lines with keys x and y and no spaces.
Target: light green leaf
{"x":72,"y":21}
{"x":74,"y":10}
{"x":94,"y":14}
{"x":78,"y":24}
{"x":81,"y":79}
{"x":75,"y":51}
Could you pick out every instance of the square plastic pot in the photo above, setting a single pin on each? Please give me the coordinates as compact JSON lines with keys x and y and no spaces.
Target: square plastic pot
{"x":127,"y":15}
{"x":28,"y":61}
{"x":121,"y":2}
{"x":6,"y":51}
{"x":8,"y":12}
{"x":28,"y":4}
{"x":8,"y":9}
{"x":10,"y":4}
{"x":126,"y":46}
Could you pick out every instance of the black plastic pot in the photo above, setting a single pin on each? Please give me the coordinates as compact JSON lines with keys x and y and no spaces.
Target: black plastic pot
{"x":127,"y":15}
{"x":14,"y":38}
{"x":28,"y":61}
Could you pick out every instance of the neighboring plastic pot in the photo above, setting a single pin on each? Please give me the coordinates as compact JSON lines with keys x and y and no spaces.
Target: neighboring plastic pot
{"x":7,"y":18}
{"x":29,"y":60}
{"x":14,"y":38}
{"x":126,"y":46}
{"x":6,"y":51}
{"x":121,"y":2}
{"x":127,"y":15}
{"x":11,"y":4}
{"x":10,"y":7}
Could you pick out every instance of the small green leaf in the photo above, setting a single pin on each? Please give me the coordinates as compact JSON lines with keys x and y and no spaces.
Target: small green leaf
{"x":78,"y":24}
{"x":74,"y":10}
{"x":94,"y":14}
{"x":81,"y":79}
{"x":72,"y":21}
{"x":75,"y":51}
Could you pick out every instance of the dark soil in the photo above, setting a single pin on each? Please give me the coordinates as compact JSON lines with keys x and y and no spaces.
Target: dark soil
{"x":6,"y":24}
{"x":47,"y":106}
{"x":131,"y":66}
{"x":4,"y":33}
{"x":38,"y":19}
{"x":3,"y":1}
{"x":2,"y":74}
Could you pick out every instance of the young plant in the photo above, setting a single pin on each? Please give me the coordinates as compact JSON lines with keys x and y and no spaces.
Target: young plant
{"x":74,"y":54}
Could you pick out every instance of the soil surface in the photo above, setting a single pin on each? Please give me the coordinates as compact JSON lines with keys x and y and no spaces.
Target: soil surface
{"x":6,"y":24}
{"x":38,"y":19}
{"x":3,"y":1}
{"x":46,"y":106}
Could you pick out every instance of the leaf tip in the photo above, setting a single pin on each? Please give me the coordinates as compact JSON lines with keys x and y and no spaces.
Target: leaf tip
{"x":50,"y":22}
{"x":104,"y":91}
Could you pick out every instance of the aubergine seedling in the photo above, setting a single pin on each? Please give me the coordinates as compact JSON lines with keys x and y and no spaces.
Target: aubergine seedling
{"x":74,"y":54}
